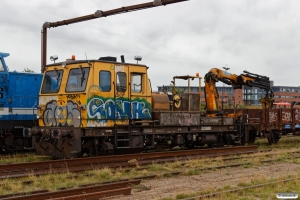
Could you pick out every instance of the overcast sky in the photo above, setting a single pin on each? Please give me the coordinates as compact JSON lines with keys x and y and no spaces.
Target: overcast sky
{"x":259,"y":36}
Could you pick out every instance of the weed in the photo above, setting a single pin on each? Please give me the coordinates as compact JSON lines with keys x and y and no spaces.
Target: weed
{"x":192,"y":172}
{"x":247,"y":165}
{"x":183,"y":196}
{"x":140,"y":187}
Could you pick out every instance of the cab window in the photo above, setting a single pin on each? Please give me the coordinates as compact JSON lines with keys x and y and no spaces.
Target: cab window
{"x":136,"y":82}
{"x":77,"y":79}
{"x":52,"y":81}
{"x":121,"y":82}
{"x":105,"y":81}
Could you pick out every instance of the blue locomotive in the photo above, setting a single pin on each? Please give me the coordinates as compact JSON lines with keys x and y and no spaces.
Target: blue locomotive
{"x":18,"y":107}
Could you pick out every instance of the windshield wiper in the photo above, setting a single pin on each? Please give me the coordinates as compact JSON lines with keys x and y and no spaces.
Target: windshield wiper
{"x":82,"y":77}
{"x":57,"y":74}
{"x":58,"y":77}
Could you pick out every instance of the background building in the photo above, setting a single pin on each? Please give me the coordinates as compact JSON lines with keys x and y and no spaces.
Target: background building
{"x":247,"y":95}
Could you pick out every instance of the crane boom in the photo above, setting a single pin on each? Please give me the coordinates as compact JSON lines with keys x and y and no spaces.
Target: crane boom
{"x":237,"y":81}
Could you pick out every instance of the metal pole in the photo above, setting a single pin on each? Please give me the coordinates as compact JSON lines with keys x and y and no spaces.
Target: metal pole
{"x":199,"y":94}
{"x":99,"y":14}
{"x":174,"y":92}
{"x":44,"y":49}
{"x":189,"y":95}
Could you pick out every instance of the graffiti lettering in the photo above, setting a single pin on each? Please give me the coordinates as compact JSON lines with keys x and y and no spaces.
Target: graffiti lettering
{"x":72,"y":96}
{"x":119,"y":68}
{"x":60,"y":101}
{"x":100,"y":110}
{"x":272,"y":117}
{"x":56,"y":115}
{"x":120,"y":94}
{"x":297,"y":114}
{"x":286,"y":116}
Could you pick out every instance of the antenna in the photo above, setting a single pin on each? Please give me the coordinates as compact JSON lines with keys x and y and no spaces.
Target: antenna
{"x":85,"y":56}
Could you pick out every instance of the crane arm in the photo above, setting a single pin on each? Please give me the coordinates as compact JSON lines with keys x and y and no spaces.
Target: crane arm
{"x":237,"y":81}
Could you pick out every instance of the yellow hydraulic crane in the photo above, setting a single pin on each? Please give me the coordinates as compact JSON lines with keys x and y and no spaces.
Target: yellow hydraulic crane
{"x":237,"y":81}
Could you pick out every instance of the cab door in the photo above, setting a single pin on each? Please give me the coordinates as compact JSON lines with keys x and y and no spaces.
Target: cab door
{"x":140,"y":95}
{"x":121,"y":94}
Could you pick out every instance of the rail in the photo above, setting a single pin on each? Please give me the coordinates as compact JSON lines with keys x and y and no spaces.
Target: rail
{"x":82,"y":164}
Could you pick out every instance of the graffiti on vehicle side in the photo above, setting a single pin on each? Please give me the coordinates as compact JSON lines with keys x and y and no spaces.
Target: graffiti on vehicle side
{"x":297,"y":112}
{"x":58,"y":115}
{"x":286,"y":116}
{"x":99,"y":110}
{"x":272,"y":117}
{"x":73,"y":96}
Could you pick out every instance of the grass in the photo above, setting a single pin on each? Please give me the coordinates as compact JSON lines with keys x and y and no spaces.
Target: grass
{"x":287,"y":142}
{"x":21,"y":158}
{"x":267,"y":191}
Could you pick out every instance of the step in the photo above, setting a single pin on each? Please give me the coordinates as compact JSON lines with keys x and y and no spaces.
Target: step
{"x":122,"y":140}
{"x":123,"y":132}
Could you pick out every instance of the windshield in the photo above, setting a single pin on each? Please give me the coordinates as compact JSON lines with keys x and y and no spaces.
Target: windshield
{"x":1,"y":66}
{"x":52,"y":81}
{"x":77,"y":79}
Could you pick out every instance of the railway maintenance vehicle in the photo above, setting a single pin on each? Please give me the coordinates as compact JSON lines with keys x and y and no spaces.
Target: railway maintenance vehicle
{"x":94,"y":107}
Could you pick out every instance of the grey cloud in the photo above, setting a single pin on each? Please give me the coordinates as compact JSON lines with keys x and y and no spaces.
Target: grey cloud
{"x":184,"y":38}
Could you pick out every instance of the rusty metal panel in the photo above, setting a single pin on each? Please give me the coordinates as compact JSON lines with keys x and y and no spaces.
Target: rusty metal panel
{"x":217,"y":121}
{"x":228,"y":121}
{"x":194,"y":102}
{"x":271,"y":119}
{"x":165,"y":119}
{"x":170,"y":118}
{"x":160,"y":102}
{"x":253,"y":113}
{"x":296,"y":115}
{"x":228,"y":110}
{"x":179,"y":118}
{"x":211,"y":121}
{"x":286,"y":116}
{"x":183,"y":118}
{"x":264,"y":120}
{"x":195,"y":119}
{"x":273,"y":116}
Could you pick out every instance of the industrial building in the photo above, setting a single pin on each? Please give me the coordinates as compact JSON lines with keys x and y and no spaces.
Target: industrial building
{"x":246,"y":95}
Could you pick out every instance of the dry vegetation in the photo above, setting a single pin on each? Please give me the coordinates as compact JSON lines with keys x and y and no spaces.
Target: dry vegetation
{"x":268,"y":191}
{"x":283,"y":155}
{"x":18,"y":158}
{"x":286,"y":151}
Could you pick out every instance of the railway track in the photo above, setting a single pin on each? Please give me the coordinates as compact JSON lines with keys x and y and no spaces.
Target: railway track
{"x":87,"y":192}
{"x":174,"y":173}
{"x":82,"y":164}
{"x":183,"y":163}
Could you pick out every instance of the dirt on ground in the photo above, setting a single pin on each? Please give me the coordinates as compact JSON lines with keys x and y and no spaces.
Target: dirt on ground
{"x":170,"y":187}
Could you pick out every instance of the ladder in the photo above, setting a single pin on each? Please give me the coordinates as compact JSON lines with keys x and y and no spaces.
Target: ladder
{"x":122,"y":139}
